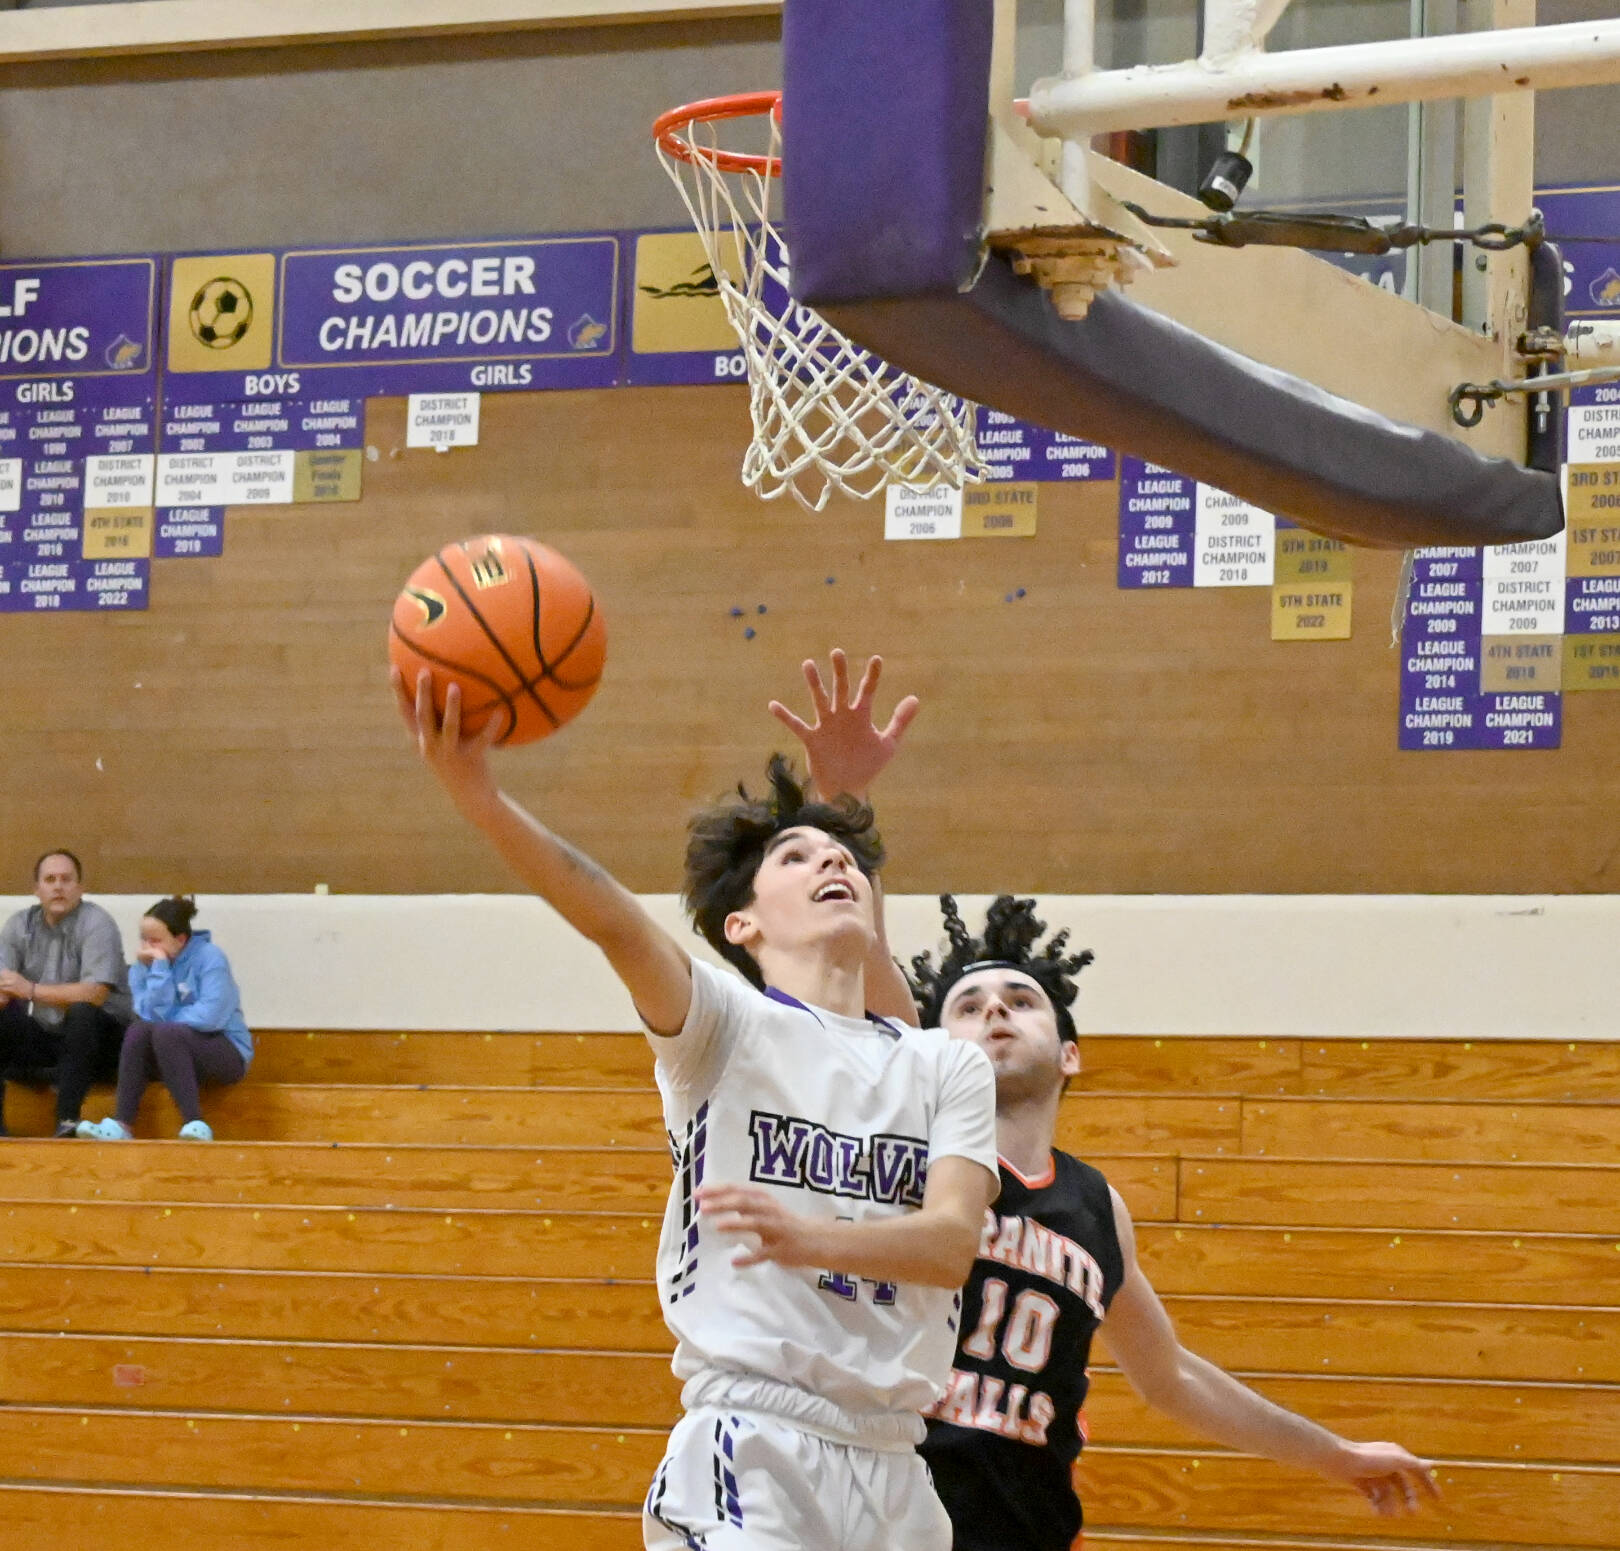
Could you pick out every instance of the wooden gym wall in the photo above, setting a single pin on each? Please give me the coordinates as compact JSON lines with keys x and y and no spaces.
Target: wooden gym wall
{"x":1077,"y":739}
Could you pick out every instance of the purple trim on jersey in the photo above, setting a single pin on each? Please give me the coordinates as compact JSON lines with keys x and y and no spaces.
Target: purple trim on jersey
{"x":654,"y":1504}
{"x":727,"y":1506}
{"x":878,"y":1021}
{"x":689,"y":1161}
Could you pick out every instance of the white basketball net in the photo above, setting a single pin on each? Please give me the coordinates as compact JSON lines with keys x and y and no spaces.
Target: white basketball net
{"x":827,"y":414}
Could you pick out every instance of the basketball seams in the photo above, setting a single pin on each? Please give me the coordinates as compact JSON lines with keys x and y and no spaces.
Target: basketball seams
{"x":502,"y":698}
{"x":534,"y":616}
{"x":493,"y":639}
{"x":548,"y":670}
{"x":568,"y":651}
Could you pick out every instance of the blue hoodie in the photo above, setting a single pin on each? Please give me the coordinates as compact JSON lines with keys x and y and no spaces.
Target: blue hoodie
{"x":196,"y":989}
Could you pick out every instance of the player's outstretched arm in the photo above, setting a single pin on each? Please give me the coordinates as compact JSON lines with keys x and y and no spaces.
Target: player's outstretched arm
{"x":652,"y":965}
{"x":846,"y":752}
{"x":933,"y":1246}
{"x":1210,"y":1402}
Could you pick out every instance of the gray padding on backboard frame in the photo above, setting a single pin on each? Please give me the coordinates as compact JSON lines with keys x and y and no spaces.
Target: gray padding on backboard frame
{"x":1143,"y":384}
{"x":878,"y":224}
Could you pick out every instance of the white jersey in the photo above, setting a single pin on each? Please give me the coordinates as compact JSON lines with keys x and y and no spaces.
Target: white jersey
{"x":839,"y":1118}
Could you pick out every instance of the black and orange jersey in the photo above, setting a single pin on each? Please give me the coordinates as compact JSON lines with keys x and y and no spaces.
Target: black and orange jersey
{"x":1003,"y":1440}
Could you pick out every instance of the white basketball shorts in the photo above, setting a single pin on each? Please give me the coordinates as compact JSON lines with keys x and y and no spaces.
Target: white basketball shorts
{"x":746,"y":1481}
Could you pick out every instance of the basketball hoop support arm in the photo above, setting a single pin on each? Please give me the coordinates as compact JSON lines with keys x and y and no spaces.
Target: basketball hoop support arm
{"x":1233,"y":27}
{"x":1253,"y":83}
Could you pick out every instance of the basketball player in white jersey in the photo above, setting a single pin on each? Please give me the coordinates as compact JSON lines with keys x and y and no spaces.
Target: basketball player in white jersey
{"x":831,"y":1176}
{"x":1002,"y":1441}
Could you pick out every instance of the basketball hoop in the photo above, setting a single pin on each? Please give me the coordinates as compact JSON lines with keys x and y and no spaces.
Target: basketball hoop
{"x":827,"y":414}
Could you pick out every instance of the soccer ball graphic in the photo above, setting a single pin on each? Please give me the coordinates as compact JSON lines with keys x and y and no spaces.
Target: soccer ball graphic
{"x":221,"y":313}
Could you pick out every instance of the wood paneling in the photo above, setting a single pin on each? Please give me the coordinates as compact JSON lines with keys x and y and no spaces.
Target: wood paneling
{"x":411,"y":1240}
{"x":1133,"y":1064}
{"x":1459,"y":1069}
{"x":1360,"y":1194}
{"x":1514,"y":1421}
{"x":1416,"y":1340}
{"x":391,"y":1308}
{"x":40,"y":1518}
{"x":1531,"y":1505}
{"x":289,"y":1378}
{"x":584,"y":1117}
{"x":1419,"y":1266}
{"x":447,"y":1178}
{"x":525,"y":1462}
{"x":373,"y":1174}
{"x":1465,"y":1131}
{"x":1089,"y":739}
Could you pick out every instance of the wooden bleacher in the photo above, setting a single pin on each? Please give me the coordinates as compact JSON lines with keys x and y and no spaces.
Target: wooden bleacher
{"x":407,"y":1297}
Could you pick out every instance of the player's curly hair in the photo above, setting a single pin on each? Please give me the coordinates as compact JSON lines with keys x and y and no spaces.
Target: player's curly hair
{"x":1011,"y":931}
{"x":726,"y":844}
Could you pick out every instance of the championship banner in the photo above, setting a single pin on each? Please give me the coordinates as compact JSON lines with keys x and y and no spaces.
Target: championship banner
{"x":1175,"y":532}
{"x":1592,"y":509}
{"x":1015,"y":450}
{"x":676,"y":329}
{"x":516,"y":314}
{"x":266,"y":453}
{"x":1312,"y":590}
{"x":1482,"y":649}
{"x":1157,"y":526}
{"x":78,"y":379}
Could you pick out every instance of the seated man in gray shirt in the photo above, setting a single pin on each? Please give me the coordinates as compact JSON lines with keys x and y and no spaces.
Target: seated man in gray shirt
{"x":64,"y":987}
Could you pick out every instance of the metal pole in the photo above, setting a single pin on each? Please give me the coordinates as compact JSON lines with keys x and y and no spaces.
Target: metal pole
{"x":1079,"y":64}
{"x":1434,"y":176}
{"x":1322,"y":79}
{"x":1234,"y":26}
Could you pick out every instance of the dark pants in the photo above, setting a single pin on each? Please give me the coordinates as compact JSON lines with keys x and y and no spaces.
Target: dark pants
{"x":183,"y":1057}
{"x":83,"y":1048}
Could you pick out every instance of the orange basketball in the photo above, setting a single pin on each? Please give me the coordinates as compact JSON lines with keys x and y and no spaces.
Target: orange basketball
{"x":509,"y":620}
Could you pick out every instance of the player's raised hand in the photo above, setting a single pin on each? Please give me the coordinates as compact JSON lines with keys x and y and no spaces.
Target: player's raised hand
{"x":845,"y":749}
{"x":767,"y":1229}
{"x":1391,"y":1479}
{"x":460,"y":762}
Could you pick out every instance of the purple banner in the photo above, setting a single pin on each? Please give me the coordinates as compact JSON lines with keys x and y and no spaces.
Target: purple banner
{"x":1591,"y":269}
{"x":524,"y":313}
{"x":297,"y":424}
{"x":1157,"y":526}
{"x":674,"y":324}
{"x":1017,"y":450}
{"x":1592,"y":605}
{"x":1069,"y":458}
{"x":121,"y":430}
{"x":114,"y":584}
{"x":189,"y":531}
{"x":52,"y":512}
{"x":1442,"y":706}
{"x":73,"y":586}
{"x":38,"y":585}
{"x":78,"y":331}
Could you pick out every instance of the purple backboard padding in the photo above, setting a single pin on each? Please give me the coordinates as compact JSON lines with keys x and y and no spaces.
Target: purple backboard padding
{"x":886,"y":104}
{"x":884,"y":134}
{"x":1138,"y":382}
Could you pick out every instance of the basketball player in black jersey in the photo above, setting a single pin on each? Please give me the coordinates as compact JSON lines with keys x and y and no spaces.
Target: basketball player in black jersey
{"x":1058,"y":1259}
{"x":1058,"y":1254}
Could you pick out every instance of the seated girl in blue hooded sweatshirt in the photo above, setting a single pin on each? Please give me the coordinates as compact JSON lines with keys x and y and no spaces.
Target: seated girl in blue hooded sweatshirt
{"x":188,"y":1027}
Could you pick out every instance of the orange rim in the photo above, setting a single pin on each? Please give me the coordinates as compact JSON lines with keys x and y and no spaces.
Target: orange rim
{"x":670,"y":131}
